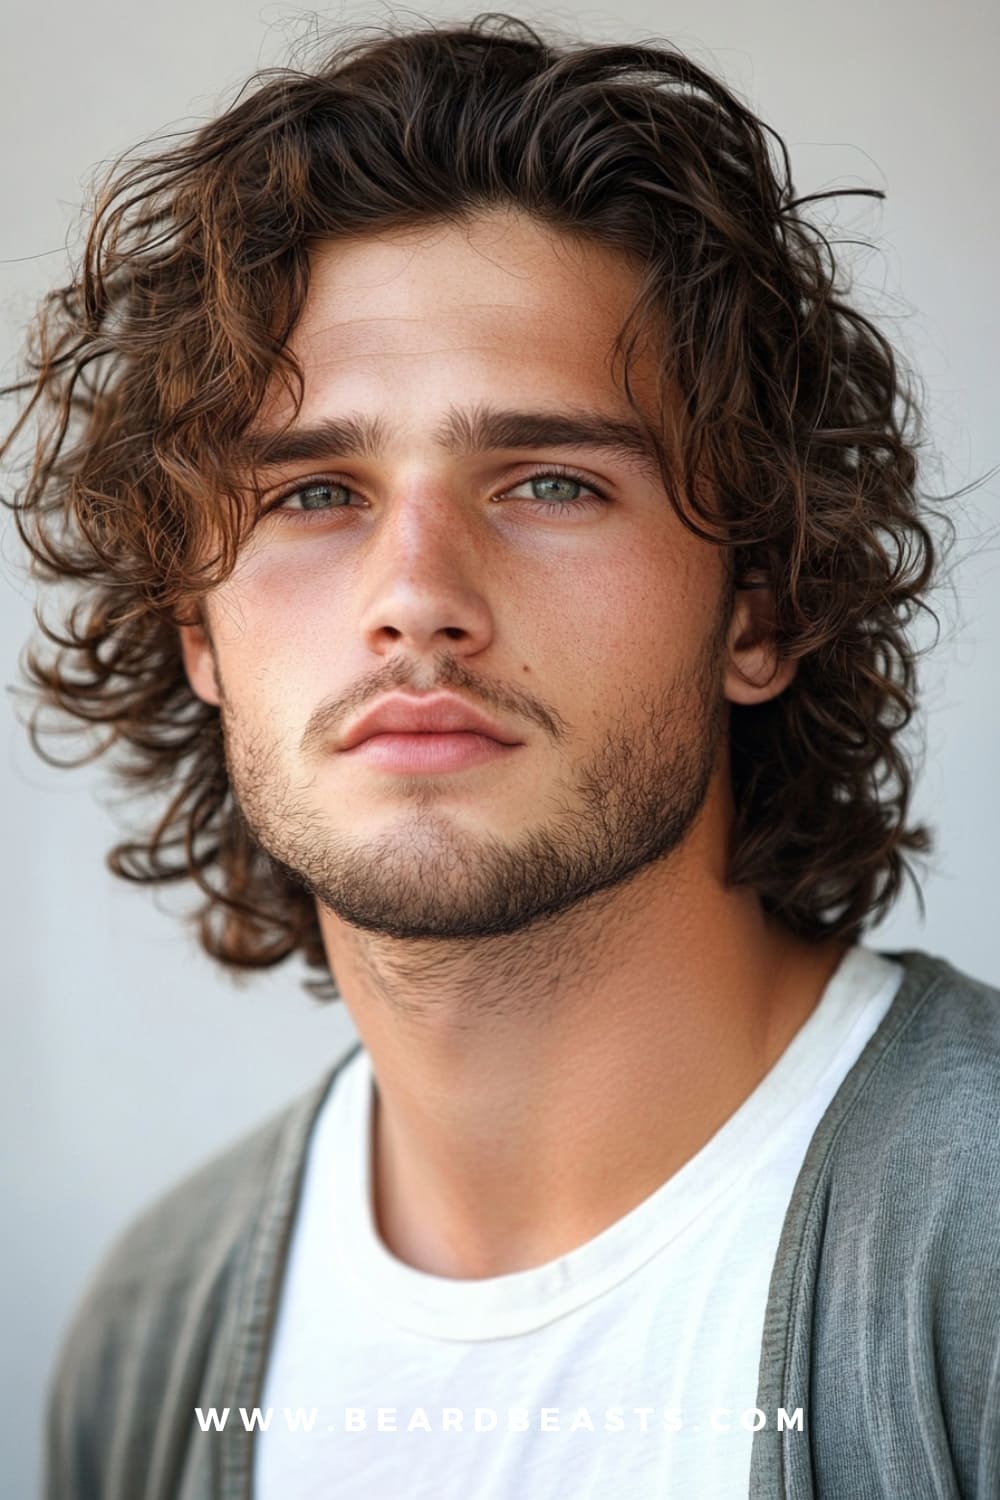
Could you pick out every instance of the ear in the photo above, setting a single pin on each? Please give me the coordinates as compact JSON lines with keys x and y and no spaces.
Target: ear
{"x":199,"y":662}
{"x":755,"y":672}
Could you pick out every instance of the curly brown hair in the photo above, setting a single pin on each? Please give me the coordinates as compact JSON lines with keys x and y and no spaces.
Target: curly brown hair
{"x":147,"y":368}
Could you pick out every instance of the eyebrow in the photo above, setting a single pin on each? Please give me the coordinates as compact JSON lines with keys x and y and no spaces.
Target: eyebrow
{"x":463,"y":432}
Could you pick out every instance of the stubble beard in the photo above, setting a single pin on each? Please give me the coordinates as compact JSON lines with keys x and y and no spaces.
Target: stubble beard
{"x":631,"y":803}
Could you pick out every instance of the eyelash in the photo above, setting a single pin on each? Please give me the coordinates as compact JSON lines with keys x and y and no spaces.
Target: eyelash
{"x":554,"y":471}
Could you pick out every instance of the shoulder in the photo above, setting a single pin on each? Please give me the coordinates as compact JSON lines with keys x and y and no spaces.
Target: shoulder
{"x":908,"y":1173}
{"x":893,"y":1260}
{"x":194,"y":1228}
{"x":927,"y":1086}
{"x":149,"y":1317}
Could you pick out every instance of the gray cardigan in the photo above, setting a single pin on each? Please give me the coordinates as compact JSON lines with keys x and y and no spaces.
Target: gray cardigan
{"x":882,"y":1320}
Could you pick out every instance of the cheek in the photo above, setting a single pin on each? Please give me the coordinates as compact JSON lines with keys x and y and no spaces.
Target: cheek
{"x":629,"y":616}
{"x":585,"y":623}
{"x":275,"y":631}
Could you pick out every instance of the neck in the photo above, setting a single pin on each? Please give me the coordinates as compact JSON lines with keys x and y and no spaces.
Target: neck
{"x":530,"y":1090}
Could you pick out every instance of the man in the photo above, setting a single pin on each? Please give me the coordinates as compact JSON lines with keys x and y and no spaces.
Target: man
{"x":502,"y":539}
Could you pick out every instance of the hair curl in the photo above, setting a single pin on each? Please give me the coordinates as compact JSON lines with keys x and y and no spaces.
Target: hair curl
{"x":154,"y":360}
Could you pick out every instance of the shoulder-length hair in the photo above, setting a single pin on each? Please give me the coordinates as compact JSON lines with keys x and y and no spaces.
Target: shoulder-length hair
{"x":790,"y":435}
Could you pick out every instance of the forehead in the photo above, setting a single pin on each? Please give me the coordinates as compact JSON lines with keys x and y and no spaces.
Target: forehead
{"x":501,"y":261}
{"x":497,"y":298}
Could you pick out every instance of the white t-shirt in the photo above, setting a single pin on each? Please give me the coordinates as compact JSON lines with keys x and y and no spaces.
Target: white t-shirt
{"x":626,"y":1367}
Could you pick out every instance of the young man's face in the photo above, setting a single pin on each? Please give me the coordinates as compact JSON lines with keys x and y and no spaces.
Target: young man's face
{"x":592,"y":633}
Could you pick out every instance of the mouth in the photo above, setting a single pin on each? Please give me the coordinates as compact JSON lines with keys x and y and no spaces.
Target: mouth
{"x":428,"y":752}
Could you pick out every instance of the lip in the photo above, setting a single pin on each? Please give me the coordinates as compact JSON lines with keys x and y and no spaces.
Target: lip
{"x":421,"y":754}
{"x":404,"y":715}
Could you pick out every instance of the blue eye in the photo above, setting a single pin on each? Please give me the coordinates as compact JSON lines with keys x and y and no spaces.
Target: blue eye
{"x":540,"y":480}
{"x":552,"y":495}
{"x":313,"y":495}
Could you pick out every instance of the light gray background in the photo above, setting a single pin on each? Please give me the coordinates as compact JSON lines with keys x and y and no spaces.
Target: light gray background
{"x":127,"y":1056}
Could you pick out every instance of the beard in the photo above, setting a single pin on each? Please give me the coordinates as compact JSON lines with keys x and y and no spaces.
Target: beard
{"x":630,"y":804}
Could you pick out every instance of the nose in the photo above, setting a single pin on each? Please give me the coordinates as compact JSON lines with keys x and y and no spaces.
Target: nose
{"x":426,"y":579}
